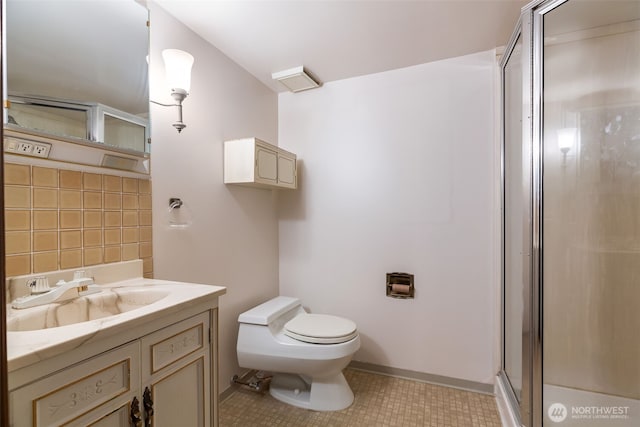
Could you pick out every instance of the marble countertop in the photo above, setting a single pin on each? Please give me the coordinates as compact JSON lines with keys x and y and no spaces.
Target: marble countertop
{"x":28,"y":347}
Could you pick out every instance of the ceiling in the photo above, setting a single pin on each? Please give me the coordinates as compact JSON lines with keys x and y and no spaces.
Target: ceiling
{"x":338,"y":39}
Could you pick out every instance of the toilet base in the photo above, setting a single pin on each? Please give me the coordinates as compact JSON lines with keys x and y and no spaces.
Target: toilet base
{"x":320,"y":394}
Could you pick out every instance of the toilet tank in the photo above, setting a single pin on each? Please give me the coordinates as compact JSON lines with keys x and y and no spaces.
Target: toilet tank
{"x":268,"y":311}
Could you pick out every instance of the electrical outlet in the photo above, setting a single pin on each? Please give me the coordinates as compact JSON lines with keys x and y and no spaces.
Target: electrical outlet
{"x":24,"y":148}
{"x":41,"y":150}
{"x":36,"y":149}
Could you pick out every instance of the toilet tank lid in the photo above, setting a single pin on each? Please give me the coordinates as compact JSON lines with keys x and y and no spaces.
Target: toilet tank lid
{"x":266,"y":312}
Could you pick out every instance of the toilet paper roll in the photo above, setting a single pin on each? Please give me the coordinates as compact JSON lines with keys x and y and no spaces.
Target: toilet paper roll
{"x":397,"y":288}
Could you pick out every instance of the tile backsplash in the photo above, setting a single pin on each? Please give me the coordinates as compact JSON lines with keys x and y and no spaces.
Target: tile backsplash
{"x":61,"y":219}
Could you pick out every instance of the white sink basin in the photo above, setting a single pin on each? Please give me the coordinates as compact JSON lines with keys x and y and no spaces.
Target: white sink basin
{"x":109,"y":302}
{"x":122,"y":309}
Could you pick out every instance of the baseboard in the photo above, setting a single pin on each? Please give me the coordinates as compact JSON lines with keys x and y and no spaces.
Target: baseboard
{"x":227,"y":393}
{"x":424,"y":377}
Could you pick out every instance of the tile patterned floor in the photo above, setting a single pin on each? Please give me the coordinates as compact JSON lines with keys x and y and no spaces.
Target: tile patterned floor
{"x":380,"y":400}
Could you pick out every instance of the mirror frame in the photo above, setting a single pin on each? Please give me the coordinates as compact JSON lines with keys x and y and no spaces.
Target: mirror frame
{"x":4,"y":382}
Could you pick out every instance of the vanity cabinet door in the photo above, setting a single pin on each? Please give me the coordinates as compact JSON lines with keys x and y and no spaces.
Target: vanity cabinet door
{"x":83,"y":394}
{"x":177,"y":374}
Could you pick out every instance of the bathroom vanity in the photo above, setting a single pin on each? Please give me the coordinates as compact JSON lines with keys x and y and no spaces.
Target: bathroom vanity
{"x":153,"y":364}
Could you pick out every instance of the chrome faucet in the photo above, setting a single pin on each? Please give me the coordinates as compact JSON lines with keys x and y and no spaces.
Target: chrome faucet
{"x":62,"y":291}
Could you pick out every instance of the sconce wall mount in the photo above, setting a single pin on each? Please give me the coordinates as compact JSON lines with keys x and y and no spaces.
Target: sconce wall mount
{"x":178,"y":65}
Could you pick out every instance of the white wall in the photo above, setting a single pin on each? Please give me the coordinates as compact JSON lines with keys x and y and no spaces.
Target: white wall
{"x":233,"y":240}
{"x":398,"y":174}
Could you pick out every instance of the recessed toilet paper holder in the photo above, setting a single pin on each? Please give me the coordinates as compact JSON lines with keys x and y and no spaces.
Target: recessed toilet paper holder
{"x":400,"y":285}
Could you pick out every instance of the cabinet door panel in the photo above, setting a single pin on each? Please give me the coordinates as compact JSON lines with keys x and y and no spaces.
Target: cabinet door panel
{"x":286,"y":171}
{"x":66,"y":396}
{"x":266,"y":165}
{"x":118,"y":418}
{"x":180,"y":398}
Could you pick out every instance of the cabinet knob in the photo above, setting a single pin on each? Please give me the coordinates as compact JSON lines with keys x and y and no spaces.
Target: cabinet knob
{"x":147,"y":402}
{"x":136,"y":416}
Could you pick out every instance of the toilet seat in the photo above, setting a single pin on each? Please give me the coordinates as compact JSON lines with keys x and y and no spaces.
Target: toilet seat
{"x":320,"y":329}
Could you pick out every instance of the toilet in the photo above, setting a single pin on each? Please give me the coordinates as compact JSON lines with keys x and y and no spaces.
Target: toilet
{"x":305,"y":352}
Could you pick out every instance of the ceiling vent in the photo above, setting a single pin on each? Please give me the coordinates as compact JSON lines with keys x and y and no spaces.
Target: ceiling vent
{"x":296,"y":79}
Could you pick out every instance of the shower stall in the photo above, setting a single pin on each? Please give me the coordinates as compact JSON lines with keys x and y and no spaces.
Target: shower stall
{"x":571,"y":215}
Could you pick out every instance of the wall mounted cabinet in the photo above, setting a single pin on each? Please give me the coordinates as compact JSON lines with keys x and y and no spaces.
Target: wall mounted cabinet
{"x":256,"y":163}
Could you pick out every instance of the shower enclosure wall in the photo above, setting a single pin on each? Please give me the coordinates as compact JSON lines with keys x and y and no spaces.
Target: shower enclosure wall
{"x":571,"y":214}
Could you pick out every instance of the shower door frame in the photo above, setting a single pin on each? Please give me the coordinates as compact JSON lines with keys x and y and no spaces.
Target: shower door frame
{"x":530,"y":29}
{"x":524,"y":404}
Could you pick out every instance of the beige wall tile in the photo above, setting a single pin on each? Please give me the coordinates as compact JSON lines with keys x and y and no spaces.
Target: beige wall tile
{"x":45,"y":261}
{"x":92,"y":200}
{"x":145,"y":249}
{"x":45,"y":198}
{"x":130,"y":235}
{"x":144,"y":186}
{"x":71,"y":259}
{"x":130,"y":218}
{"x":93,"y":256}
{"x":129,"y":251}
{"x":70,"y":199}
{"x":17,"y":197}
{"x":144,"y":201}
{"x":112,"y":219}
{"x":129,"y":201}
{"x":18,"y":265}
{"x":92,"y":238}
{"x":145,"y":218}
{"x":44,"y":177}
{"x":70,"y":179}
{"x":112,"y":201}
{"x":146,"y":234}
{"x":112,"y":254}
{"x":112,"y":236}
{"x":129,"y":185}
{"x":70,"y":239}
{"x":17,"y":242}
{"x":45,"y":241}
{"x":70,"y":219}
{"x":17,"y":174}
{"x":17,"y":220}
{"x":112,"y":183}
{"x":91,"y":181}
{"x":45,"y":220}
{"x":92,"y":219}
{"x":147,"y":265}
{"x":73,"y":236}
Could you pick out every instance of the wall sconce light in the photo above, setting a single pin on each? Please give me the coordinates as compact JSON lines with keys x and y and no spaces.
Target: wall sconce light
{"x":566,"y":141}
{"x":177,"y":65}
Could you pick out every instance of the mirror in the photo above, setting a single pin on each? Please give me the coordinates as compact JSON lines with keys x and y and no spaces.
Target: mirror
{"x":78,"y":70}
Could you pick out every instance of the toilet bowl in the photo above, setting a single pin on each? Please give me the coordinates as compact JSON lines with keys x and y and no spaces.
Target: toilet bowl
{"x":305,"y":352}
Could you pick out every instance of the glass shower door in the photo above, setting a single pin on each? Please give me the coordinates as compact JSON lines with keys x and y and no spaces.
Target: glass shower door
{"x":590,"y":216}
{"x":516,"y":232}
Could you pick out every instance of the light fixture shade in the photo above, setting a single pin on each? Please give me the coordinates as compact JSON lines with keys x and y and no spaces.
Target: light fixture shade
{"x":178,"y":65}
{"x":567,"y":138}
{"x":296,"y":79}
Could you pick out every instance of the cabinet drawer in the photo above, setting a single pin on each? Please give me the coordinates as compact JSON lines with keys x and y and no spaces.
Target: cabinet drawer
{"x":61,"y":398}
{"x":176,"y":342}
